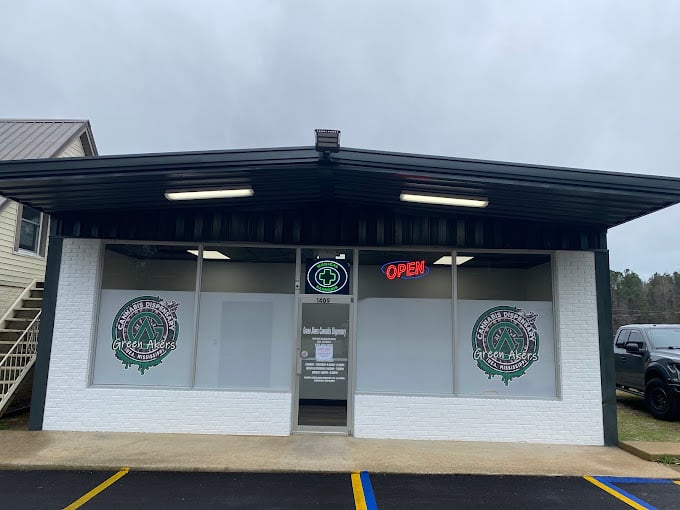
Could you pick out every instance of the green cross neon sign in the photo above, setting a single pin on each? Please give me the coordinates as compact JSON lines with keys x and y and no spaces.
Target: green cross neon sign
{"x":327,"y":276}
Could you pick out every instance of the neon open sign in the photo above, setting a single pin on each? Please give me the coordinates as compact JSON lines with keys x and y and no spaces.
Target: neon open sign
{"x":405,"y":269}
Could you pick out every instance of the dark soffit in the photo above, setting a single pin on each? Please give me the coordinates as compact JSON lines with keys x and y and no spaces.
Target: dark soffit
{"x":294,"y":178}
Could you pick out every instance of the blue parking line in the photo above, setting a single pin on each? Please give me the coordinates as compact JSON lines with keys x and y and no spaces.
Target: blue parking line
{"x":635,"y":502}
{"x":369,"y":497}
{"x":623,"y":479}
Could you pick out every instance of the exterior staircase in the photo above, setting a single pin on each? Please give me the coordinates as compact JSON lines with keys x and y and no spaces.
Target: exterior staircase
{"x":19,"y":343}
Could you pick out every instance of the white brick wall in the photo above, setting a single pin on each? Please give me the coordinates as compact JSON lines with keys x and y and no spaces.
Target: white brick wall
{"x":574,"y":419}
{"x":72,"y":405}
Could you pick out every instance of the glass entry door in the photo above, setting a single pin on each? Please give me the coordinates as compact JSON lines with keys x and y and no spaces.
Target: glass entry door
{"x":322,"y":367}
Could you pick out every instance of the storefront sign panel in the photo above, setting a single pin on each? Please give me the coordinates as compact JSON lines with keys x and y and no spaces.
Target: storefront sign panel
{"x":505,"y":341}
{"x":144,"y":331}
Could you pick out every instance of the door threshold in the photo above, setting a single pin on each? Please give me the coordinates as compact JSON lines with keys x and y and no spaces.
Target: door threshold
{"x":330,"y":431}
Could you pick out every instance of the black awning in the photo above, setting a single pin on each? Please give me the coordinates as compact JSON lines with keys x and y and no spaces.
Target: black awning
{"x":288,"y":178}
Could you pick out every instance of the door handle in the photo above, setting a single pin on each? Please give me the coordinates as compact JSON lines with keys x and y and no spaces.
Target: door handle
{"x":298,"y":365}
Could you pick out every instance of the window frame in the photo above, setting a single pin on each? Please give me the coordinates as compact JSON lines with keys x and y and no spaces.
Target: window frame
{"x":41,"y":234}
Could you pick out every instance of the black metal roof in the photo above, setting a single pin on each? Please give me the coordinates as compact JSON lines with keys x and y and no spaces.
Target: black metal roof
{"x":288,"y":178}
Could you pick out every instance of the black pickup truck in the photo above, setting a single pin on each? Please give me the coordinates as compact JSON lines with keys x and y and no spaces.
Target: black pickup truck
{"x":647,"y":360}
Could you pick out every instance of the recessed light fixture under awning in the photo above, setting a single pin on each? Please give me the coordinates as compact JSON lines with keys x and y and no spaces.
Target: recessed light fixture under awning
{"x":446,"y":260}
{"x":443,"y":200}
{"x":210,"y":254}
{"x":209,"y":194}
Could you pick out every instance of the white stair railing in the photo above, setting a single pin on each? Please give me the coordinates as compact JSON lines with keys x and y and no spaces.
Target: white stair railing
{"x":17,"y":362}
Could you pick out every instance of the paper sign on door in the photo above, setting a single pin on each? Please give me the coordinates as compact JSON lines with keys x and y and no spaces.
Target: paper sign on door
{"x":324,"y":352}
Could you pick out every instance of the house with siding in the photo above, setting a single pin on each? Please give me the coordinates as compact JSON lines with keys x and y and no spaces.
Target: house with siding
{"x":23,"y":247}
{"x":24,"y":230}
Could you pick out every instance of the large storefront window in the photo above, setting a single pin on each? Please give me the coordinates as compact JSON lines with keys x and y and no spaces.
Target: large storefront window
{"x":496,"y":338}
{"x":146,"y":316}
{"x":505,"y":343}
{"x":147,"y":323}
{"x":246,"y":319}
{"x":404,"y":328}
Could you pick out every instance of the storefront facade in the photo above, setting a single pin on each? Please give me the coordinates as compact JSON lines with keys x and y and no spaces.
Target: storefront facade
{"x":387,"y":359}
{"x":340,"y":313}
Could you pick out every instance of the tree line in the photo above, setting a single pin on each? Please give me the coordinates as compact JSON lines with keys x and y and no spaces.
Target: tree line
{"x":635,"y":301}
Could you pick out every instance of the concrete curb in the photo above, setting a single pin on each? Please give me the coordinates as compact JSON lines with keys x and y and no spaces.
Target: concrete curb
{"x":630,"y":448}
{"x":651,"y":451}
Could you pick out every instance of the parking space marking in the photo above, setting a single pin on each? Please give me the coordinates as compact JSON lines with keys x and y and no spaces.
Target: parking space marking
{"x":99,"y":488}
{"x":359,"y":500}
{"x":364,"y":499}
{"x":625,"y":479}
{"x":607,"y":484}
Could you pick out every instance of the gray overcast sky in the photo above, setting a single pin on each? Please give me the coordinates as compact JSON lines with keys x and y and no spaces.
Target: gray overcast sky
{"x":589,"y":84}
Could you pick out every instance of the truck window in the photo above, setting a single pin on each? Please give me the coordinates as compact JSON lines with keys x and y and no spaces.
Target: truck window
{"x":622,"y":338}
{"x":636,"y":336}
{"x":663,"y":338}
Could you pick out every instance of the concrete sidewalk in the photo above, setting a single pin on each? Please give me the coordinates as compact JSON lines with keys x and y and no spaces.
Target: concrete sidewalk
{"x":313,"y":452}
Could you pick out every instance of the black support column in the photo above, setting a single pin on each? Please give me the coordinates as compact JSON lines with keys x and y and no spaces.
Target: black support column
{"x":42,"y":362}
{"x":606,"y":338}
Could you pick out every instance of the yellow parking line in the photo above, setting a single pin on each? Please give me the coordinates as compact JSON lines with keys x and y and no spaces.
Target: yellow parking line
{"x":87,"y":497}
{"x":359,"y":499}
{"x":617,"y":495}
{"x":677,"y":482}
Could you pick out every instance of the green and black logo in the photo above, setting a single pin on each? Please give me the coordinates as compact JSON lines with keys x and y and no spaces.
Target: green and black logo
{"x":145,"y":331}
{"x":505,"y":342}
{"x":327,"y":277}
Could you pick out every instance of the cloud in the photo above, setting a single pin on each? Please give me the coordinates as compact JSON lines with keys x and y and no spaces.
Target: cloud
{"x":587,"y":84}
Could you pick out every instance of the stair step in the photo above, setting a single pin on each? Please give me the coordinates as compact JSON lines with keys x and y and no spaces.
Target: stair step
{"x":37,"y":293}
{"x":39,"y":285}
{"x":19,"y":320}
{"x":10,"y":334}
{"x":25,"y":313}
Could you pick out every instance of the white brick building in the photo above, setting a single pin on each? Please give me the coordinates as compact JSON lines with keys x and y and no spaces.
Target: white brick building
{"x":316,"y":300}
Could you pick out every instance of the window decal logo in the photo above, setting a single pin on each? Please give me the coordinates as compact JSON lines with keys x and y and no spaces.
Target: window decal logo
{"x":145,"y":331}
{"x":327,"y":277}
{"x":505,"y":342}
{"x":405,"y":269}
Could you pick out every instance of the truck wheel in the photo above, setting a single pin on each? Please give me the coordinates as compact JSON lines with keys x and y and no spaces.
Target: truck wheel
{"x":660,"y":402}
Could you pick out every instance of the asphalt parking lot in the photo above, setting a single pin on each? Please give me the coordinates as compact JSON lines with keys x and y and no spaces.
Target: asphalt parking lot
{"x":142,"y":489}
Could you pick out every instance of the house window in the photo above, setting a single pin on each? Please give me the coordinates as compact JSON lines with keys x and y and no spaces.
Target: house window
{"x":30,"y":230}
